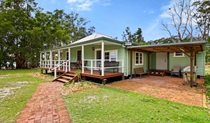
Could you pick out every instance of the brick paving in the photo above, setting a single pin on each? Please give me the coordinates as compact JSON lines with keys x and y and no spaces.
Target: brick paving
{"x":169,"y":88}
{"x":45,"y":106}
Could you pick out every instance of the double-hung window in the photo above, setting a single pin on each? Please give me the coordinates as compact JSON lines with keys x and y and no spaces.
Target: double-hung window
{"x":139,"y":58}
{"x":111,"y":55}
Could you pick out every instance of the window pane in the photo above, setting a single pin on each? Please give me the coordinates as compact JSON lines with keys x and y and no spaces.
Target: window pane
{"x":140,"y":62}
{"x":67,"y":55}
{"x":106,"y":56}
{"x":179,"y":54}
{"x":113,"y":55}
{"x":79,"y":54}
{"x":137,"y":58}
{"x":98,"y":54}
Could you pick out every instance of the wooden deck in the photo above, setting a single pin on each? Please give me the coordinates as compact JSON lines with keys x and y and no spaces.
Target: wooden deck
{"x":87,"y":73}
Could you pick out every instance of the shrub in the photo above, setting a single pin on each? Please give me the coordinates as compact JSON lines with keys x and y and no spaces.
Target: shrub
{"x":207,"y":84}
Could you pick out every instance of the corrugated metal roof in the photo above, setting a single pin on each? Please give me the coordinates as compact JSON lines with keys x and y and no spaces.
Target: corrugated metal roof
{"x":92,"y":37}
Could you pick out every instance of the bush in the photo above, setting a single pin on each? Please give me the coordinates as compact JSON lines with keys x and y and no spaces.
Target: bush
{"x":207,"y":84}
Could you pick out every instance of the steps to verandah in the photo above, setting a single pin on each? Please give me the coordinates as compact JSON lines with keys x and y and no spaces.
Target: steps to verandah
{"x":66,"y":77}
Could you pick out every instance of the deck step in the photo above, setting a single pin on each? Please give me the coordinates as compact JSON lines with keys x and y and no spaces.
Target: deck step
{"x":62,"y":80}
{"x":67,"y":77}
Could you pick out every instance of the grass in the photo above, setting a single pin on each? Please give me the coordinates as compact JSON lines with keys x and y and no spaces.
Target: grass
{"x":111,"y":105}
{"x":16,"y":88}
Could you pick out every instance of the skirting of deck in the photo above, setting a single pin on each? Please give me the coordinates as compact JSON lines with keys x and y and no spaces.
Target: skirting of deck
{"x":87,"y":73}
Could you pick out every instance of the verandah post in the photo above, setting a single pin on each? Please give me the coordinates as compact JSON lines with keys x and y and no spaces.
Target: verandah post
{"x":59,"y":58}
{"x":50,"y":59}
{"x":83,"y":59}
{"x":69,"y":58}
{"x":102,"y":58}
{"x":91,"y":66}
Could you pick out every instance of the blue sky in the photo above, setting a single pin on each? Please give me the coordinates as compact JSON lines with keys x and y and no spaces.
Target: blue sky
{"x":111,"y":17}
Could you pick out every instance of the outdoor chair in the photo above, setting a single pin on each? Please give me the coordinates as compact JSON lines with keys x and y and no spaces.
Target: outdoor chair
{"x":140,"y":71}
{"x":79,"y":64}
{"x":176,"y":70}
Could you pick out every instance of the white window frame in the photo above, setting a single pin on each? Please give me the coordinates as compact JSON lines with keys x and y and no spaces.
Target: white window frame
{"x":175,"y":54}
{"x":109,"y":53}
{"x":139,"y":58}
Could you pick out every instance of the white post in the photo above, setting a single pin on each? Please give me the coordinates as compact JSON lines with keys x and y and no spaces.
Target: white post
{"x":102,"y":58}
{"x":59,"y":59}
{"x":45,"y":59}
{"x":40,"y":63}
{"x":50,"y":59}
{"x":83,"y":59}
{"x":69,"y":59}
{"x":91,"y":66}
{"x":66,"y":66}
{"x":55,"y":72}
{"x":122,"y":65}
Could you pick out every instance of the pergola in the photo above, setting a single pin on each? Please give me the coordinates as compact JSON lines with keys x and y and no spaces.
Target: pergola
{"x":188,"y":48}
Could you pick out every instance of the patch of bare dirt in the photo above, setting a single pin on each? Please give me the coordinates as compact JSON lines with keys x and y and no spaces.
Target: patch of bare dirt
{"x":169,"y":88}
{"x":42,"y":76}
{"x":76,"y":87}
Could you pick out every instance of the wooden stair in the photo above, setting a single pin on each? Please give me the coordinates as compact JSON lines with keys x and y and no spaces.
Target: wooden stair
{"x":66,"y":77}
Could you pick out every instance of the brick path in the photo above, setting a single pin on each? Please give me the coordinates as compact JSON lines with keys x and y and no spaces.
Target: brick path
{"x":45,"y":106}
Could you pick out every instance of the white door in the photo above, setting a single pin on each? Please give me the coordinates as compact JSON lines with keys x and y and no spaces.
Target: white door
{"x":161,"y":61}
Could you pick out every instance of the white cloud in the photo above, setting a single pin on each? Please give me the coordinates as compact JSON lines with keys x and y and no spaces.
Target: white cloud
{"x":82,"y":5}
{"x":86,"y":5}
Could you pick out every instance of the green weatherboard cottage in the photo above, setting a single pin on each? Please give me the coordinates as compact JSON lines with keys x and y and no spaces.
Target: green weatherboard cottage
{"x":102,"y":57}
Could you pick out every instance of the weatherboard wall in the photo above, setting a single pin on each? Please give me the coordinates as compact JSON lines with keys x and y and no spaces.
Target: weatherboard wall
{"x":200,"y":61}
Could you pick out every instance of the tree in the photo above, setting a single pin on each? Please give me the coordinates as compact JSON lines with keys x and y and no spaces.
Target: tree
{"x":135,"y":37}
{"x":25,"y":30}
{"x":202,"y":17}
{"x":181,"y":15}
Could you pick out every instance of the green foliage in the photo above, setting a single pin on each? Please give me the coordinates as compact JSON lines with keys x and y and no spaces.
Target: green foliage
{"x":202,"y":17}
{"x":25,"y":30}
{"x":135,"y":37}
{"x":112,"y":105}
{"x":207,"y":84}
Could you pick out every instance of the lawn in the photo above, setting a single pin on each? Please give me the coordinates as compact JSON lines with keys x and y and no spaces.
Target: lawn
{"x":111,"y":105}
{"x":16,"y":88}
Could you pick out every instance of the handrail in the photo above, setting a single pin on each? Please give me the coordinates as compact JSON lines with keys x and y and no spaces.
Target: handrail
{"x":58,"y":66}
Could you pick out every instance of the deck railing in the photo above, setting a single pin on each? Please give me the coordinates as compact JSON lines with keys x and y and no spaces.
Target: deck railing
{"x":63,"y":66}
{"x":95,"y":64}
{"x":89,"y":64}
